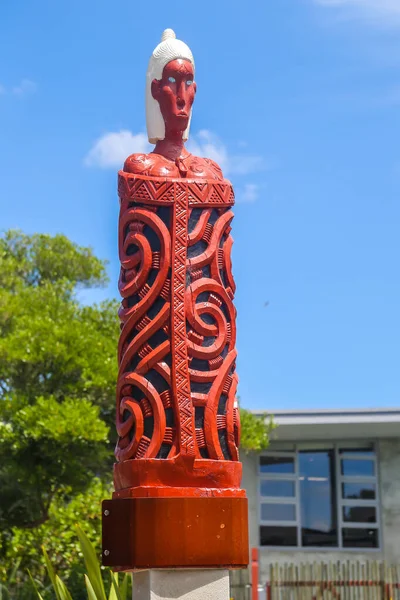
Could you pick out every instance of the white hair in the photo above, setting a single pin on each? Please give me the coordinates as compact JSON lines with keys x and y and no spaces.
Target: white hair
{"x":168,"y":49}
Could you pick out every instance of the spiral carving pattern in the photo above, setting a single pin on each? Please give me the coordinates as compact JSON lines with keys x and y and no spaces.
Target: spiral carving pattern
{"x":176,"y":391}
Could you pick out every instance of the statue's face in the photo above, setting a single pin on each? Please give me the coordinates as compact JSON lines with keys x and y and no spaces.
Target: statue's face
{"x":175,"y":93}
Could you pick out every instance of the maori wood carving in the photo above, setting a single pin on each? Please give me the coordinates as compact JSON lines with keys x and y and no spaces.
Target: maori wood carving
{"x":177,"y":382}
{"x":177,"y":418}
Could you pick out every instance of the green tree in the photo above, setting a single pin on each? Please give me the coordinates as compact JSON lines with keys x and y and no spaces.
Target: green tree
{"x":58,"y":370}
{"x":21,"y":548}
{"x":255,"y":431}
{"x":57,"y":374}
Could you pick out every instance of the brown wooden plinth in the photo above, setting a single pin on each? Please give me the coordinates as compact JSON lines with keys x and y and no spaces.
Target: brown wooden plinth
{"x":164,"y":533}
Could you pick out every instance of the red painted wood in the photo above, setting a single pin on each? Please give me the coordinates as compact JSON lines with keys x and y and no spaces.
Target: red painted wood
{"x":254,"y":574}
{"x":186,"y":269}
{"x":197,"y":318}
{"x":180,"y":532}
{"x":177,"y":418}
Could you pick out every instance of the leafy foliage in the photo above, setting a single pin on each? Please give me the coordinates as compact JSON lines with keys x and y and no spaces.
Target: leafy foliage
{"x":47,"y":448}
{"x":255,"y":431}
{"x":57,"y":374}
{"x":93,"y":576}
{"x":50,"y":344}
{"x":31,"y":260}
{"x":20,"y":547}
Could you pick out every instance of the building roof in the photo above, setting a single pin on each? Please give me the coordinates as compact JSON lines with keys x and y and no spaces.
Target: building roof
{"x":298,"y":425}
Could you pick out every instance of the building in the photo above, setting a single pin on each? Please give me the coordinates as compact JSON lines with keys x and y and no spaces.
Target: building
{"x":327,"y":488}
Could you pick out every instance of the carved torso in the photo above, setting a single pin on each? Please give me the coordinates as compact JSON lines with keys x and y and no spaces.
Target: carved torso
{"x":155,"y":165}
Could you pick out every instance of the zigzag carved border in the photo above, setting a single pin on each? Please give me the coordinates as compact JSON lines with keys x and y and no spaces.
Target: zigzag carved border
{"x":152,"y":190}
{"x":179,"y":370}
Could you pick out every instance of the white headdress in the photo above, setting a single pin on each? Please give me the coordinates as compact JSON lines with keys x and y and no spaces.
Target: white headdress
{"x":168,"y":49}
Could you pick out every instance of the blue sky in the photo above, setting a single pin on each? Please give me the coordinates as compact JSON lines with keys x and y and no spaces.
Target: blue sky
{"x":299,"y":100}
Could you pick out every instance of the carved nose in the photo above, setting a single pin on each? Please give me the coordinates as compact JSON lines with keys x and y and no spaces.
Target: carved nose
{"x":180,"y":102}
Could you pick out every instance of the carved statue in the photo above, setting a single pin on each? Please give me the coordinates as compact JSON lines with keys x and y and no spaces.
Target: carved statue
{"x":170,"y":92}
{"x":177,"y":416}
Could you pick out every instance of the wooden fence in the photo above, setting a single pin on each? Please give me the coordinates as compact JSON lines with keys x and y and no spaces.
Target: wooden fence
{"x":350,"y":580}
{"x":240,"y":584}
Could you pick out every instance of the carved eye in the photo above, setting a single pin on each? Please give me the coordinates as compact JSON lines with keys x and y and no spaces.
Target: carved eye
{"x":172,"y":79}
{"x":189,"y":82}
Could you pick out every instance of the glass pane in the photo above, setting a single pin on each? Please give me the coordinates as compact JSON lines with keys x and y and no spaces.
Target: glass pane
{"x":278,"y":536}
{"x":359,"y":491}
{"x":352,"y":466}
{"x":318,"y":498}
{"x":359,"y":514}
{"x":277,"y":464}
{"x":277,"y":487}
{"x":360,"y":538}
{"x":278,"y":512}
{"x":367,"y":451}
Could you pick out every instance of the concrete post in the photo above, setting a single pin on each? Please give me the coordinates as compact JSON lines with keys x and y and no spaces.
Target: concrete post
{"x":210,"y":584}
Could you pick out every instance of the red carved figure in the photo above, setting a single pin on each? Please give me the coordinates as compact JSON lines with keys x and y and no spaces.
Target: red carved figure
{"x":177,"y":416}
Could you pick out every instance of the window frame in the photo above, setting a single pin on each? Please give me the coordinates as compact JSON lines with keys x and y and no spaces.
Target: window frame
{"x":293,"y":451}
{"x":279,"y":499}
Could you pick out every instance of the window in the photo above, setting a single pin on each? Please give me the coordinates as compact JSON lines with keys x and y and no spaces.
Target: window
{"x":319,"y":496}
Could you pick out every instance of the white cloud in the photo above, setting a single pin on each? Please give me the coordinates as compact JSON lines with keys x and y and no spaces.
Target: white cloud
{"x":248,"y":194}
{"x":26,"y":86}
{"x":386,"y":9}
{"x":243,"y":164}
{"x":112,"y":149}
{"x":206,"y":143}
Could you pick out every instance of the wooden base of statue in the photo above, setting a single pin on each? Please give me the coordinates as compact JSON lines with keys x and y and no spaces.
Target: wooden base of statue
{"x":165,"y":533}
